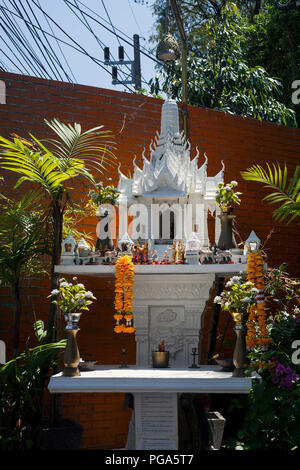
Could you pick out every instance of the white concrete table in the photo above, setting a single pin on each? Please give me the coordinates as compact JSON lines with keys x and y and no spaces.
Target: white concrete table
{"x":155,"y":395}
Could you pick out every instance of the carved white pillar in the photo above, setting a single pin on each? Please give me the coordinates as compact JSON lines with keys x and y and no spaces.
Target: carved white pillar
{"x":123,"y":216}
{"x":217,"y":224}
{"x":201,"y":221}
{"x":141,"y":319}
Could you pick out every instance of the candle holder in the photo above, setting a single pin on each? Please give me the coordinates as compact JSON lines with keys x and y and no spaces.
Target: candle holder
{"x":194,"y":365}
{"x":123,"y":365}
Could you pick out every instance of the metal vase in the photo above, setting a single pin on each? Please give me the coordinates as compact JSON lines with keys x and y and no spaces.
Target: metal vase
{"x":160,"y":359}
{"x":71,"y":355}
{"x":226,"y":240}
{"x":240,"y":351}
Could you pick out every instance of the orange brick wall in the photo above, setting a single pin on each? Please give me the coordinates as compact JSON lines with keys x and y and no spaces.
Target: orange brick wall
{"x":134,"y":119}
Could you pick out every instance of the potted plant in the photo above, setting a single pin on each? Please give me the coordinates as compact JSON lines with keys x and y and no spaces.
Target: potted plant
{"x":160,"y":358}
{"x":103,"y":195}
{"x":71,"y":300}
{"x":237,"y":299}
{"x":226,"y":198}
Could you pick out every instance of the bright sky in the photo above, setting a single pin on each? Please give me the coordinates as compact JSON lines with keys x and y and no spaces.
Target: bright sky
{"x":125,"y":15}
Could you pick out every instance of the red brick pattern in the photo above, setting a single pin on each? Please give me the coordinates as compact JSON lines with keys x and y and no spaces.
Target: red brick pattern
{"x":134,"y":119}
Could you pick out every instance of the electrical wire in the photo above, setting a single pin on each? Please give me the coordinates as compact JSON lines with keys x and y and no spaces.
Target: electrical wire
{"x":58,"y":45}
{"x":79,"y":48}
{"x":87,"y":25}
{"x":35,"y":38}
{"x":55,"y":58}
{"x":20,"y":50}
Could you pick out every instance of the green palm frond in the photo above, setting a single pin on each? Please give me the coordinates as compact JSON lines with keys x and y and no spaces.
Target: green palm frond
{"x":41,"y":168}
{"x":286,"y":192}
{"x":91,"y":146}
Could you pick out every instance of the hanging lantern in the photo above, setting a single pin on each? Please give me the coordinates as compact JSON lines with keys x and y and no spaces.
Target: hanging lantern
{"x":168,"y":48}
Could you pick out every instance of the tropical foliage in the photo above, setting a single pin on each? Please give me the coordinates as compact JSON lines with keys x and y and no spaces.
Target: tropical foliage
{"x":273,"y":408}
{"x":104,"y":194}
{"x":51,"y":170}
{"x":221,"y":78}
{"x":24,"y":238}
{"x":22,"y":389}
{"x":286,"y":191}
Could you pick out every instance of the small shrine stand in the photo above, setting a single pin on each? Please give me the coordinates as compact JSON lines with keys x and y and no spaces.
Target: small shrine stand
{"x":169,"y":302}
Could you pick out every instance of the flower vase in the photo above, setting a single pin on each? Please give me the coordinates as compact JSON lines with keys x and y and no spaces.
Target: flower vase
{"x":226,"y":240}
{"x":240,"y":351}
{"x":71,"y":356}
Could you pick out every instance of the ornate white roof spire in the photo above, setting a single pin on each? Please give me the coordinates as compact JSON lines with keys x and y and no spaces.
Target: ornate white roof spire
{"x":170,"y":170}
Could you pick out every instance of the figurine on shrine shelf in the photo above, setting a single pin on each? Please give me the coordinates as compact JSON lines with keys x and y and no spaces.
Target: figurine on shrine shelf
{"x":166,"y":259}
{"x":162,"y":346}
{"x":145,"y":255}
{"x":180,"y":254}
{"x":135,"y":256}
{"x":155,"y":257}
{"x":174,"y":252}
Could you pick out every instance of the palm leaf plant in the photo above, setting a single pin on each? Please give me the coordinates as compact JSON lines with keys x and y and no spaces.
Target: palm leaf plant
{"x":285,"y":191}
{"x":22,"y":389}
{"x":74,"y":153}
{"x":23,"y":239}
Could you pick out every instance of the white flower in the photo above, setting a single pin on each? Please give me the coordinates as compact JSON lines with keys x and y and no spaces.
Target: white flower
{"x":64,"y":284}
{"x":246,"y":299}
{"x":89,"y":295}
{"x":81,"y":286}
{"x":229,"y":283}
{"x":227,"y":304}
{"x":54,"y":292}
{"x":61,"y":280}
{"x":255,"y":290}
{"x":234,"y":183}
{"x":235,"y":279}
{"x":217,"y":299}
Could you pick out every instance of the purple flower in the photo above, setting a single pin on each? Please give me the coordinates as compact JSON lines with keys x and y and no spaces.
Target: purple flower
{"x":297,"y":320}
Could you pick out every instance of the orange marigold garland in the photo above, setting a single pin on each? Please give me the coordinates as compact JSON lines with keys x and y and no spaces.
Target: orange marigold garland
{"x":124,"y":295}
{"x":257,"y":321}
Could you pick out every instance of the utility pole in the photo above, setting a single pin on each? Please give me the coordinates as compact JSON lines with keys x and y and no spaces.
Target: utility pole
{"x":134,"y":76}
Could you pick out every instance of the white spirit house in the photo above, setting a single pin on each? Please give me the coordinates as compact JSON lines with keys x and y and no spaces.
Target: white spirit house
{"x":169,"y":198}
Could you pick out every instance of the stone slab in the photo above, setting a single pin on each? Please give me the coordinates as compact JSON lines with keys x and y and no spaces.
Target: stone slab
{"x":109,"y":270}
{"x":112,"y":379}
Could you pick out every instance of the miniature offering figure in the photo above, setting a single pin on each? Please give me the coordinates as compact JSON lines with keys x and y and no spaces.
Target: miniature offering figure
{"x":155,"y":257}
{"x":135,"y":256}
{"x":174,"y":252}
{"x":166,"y":259}
{"x":180,"y":253}
{"x":145,"y":254}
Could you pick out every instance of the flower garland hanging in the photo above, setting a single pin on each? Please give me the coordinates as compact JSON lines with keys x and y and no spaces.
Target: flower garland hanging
{"x":124,"y":295}
{"x":257,"y":321}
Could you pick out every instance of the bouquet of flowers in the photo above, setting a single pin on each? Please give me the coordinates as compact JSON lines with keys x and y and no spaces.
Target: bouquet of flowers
{"x":72,"y":298}
{"x":226,"y":196}
{"x":239,"y":296}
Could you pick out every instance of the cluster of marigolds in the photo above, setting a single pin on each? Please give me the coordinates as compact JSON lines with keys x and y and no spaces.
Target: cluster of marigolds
{"x":124,"y":295}
{"x":257,"y":321}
